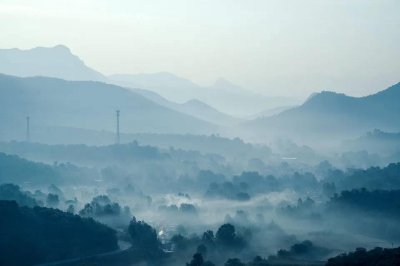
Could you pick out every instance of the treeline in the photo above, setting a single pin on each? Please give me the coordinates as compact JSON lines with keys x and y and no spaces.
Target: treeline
{"x":387,"y":178}
{"x":242,"y":187}
{"x":233,"y":148}
{"x":303,"y":253}
{"x":36,"y":235}
{"x":362,"y":257}
{"x":18,"y":170}
{"x":386,"y":202}
{"x":129,"y":151}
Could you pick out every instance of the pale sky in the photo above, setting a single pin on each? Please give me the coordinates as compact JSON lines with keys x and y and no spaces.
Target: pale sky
{"x":277,"y":47}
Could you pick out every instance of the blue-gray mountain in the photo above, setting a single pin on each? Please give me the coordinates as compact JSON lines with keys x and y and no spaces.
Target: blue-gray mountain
{"x":328,"y":114}
{"x":194,"y":108}
{"x":54,"y":102}
{"x":57,"y":62}
{"x":60,"y":62}
{"x":223,"y":95}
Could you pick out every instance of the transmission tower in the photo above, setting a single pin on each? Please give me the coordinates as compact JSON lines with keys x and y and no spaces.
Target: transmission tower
{"x":117,"y":137}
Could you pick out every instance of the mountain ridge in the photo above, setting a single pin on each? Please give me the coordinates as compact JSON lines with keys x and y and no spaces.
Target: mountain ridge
{"x":57,"y":62}
{"x":86,"y":104}
{"x":329,"y":115}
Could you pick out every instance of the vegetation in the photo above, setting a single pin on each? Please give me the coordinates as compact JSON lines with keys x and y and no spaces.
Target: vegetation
{"x":37,"y":235}
{"x":362,"y":257}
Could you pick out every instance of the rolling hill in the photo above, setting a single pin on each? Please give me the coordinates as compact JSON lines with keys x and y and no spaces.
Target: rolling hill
{"x":54,"y":102}
{"x":328,"y":114}
{"x":194,"y":108}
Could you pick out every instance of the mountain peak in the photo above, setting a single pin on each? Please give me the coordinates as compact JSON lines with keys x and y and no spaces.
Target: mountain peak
{"x":57,"y":61}
{"x":325,"y":95}
{"x":61,"y":47}
{"x":195,"y":102}
{"x":392,"y":91}
{"x":222,"y":82}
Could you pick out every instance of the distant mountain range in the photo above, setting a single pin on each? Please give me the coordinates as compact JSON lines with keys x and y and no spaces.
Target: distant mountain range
{"x":222,"y":95}
{"x":329,"y":114}
{"x":165,"y":103}
{"x":57,"y":62}
{"x":194,"y":108}
{"x":54,"y":102}
{"x":164,"y":88}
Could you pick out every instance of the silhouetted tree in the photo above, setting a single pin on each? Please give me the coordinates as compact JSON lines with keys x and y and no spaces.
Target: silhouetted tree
{"x":362,"y":257}
{"x":52,"y":200}
{"x":196,"y":261}
{"x":208,"y":237}
{"x":234,"y":262}
{"x":143,"y":235}
{"x":226,"y":234}
{"x":258,"y":261}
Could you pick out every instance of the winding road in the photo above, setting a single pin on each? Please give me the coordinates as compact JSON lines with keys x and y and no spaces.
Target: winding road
{"x":123,"y":246}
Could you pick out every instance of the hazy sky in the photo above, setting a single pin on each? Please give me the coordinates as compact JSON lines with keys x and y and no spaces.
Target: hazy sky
{"x":277,"y":47}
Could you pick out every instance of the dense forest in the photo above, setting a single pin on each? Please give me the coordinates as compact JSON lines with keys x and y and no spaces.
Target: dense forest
{"x":37,"y":235}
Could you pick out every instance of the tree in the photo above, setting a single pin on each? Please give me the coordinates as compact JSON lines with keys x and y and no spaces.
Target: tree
{"x":234,"y":262}
{"x":226,"y":234}
{"x":258,"y":261}
{"x":52,"y":200}
{"x":31,"y":236}
{"x":208,"y":237}
{"x":187,"y":208}
{"x":101,"y":206}
{"x":196,"y":261}
{"x":71,"y":209}
{"x":202,"y":249}
{"x":13,"y":192}
{"x":143,"y":235}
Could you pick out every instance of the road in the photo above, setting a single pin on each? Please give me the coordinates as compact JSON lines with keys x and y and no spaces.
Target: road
{"x":123,"y":245}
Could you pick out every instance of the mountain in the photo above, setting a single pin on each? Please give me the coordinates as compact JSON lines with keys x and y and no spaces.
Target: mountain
{"x":329,"y":114}
{"x":54,"y":102}
{"x":167,"y":85}
{"x":194,"y":108}
{"x":59,"y":62}
{"x":223,"y":95}
{"x":56,"y":62}
{"x":270,"y":112}
{"x":203,"y":111}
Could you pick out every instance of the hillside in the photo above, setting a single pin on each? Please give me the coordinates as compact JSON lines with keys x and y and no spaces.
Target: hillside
{"x":37,"y":235}
{"x":192,"y":107}
{"x":328,"y":114}
{"x":54,"y":102}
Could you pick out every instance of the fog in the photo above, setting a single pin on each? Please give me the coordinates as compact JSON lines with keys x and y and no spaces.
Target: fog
{"x":201,"y":133}
{"x":277,"y":203}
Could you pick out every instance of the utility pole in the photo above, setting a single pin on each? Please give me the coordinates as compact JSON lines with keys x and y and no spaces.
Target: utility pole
{"x":28,"y":133}
{"x":118,"y":138}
